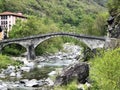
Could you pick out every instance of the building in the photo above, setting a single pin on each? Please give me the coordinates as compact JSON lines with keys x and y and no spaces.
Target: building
{"x":7,"y":20}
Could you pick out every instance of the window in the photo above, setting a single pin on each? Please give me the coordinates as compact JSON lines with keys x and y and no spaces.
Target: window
{"x":6,"y":22}
{"x":9,"y":25}
{"x":1,"y":22}
{"x":3,"y":17}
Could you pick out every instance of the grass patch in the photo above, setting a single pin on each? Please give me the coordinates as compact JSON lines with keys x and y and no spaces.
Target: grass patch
{"x":5,"y":61}
{"x":71,"y":86}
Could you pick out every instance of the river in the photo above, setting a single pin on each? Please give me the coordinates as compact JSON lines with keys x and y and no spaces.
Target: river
{"x":72,"y":53}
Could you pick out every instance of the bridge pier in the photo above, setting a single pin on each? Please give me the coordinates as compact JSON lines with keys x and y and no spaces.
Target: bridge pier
{"x":31,"y":52}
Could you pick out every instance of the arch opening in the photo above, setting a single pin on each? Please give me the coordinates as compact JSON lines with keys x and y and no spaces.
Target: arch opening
{"x":54,"y":44}
{"x":13,"y":49}
{"x":50,"y":45}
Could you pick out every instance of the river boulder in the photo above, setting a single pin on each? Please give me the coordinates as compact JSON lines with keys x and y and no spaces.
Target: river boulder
{"x":77,"y":70}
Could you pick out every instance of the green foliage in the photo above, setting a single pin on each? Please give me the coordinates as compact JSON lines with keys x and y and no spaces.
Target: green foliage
{"x":69,"y":15}
{"x":13,"y":49}
{"x":5,"y":61}
{"x":1,"y":5}
{"x":71,"y":86}
{"x":99,"y":26}
{"x":74,"y":16}
{"x":50,"y":46}
{"x":88,"y":53}
{"x":105,"y":71}
{"x":114,"y":6}
{"x":86,"y":25}
{"x":33,"y":26}
{"x":54,"y":16}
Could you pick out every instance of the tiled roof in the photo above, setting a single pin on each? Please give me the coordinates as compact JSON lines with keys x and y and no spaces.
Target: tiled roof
{"x":13,"y":14}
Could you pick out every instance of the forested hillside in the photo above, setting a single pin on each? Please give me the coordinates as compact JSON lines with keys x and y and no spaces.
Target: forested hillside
{"x":78,"y":16}
{"x":69,"y":15}
{"x":50,"y":7}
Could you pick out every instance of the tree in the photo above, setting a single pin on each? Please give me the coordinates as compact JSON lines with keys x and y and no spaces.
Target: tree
{"x":33,"y":26}
{"x":100,"y":24}
{"x":114,"y":6}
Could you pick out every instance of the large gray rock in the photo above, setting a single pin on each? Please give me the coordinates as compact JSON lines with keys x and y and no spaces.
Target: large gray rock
{"x":114,"y":26}
{"x":13,"y":74}
{"x":31,"y":83}
{"x":79,"y":70}
{"x":9,"y":70}
{"x":50,"y":82}
{"x":3,"y":86}
{"x":26,"y":69}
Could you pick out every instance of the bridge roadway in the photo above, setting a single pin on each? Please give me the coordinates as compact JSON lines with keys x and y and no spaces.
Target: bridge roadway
{"x":31,"y":42}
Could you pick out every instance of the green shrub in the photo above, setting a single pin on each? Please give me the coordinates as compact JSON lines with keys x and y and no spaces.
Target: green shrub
{"x":71,"y":86}
{"x":13,"y":49}
{"x":105,"y":71}
{"x":49,"y":46}
{"x":5,"y":61}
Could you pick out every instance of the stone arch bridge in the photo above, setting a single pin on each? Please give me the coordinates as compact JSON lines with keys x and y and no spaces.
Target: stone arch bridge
{"x":31,"y":42}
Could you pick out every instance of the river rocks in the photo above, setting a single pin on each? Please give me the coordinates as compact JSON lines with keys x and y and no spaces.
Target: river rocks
{"x":29,"y":63}
{"x":39,"y":66}
{"x":18,"y":74}
{"x":31,"y":83}
{"x":50,"y":82}
{"x":26,"y":69}
{"x":25,"y":84}
{"x":9,"y":70}
{"x":13,"y":74}
{"x":85,"y":86}
{"x":114,"y":25}
{"x":23,"y":81}
{"x":71,"y":54}
{"x":2,"y":75}
{"x":3,"y":86}
{"x":81,"y":70}
{"x":60,"y":59}
{"x":52,"y":73}
{"x":36,"y":83}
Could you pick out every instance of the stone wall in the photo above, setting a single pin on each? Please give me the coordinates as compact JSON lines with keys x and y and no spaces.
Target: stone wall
{"x":112,"y":43}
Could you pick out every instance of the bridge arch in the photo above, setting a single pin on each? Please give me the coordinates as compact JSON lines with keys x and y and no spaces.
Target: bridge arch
{"x":6,"y":44}
{"x":48,"y":38}
{"x":49,"y":42}
{"x":13,"y":48}
{"x":88,"y":42}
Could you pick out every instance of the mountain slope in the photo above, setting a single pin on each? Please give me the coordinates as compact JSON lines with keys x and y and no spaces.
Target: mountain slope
{"x":67,"y":14}
{"x":47,"y":7}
